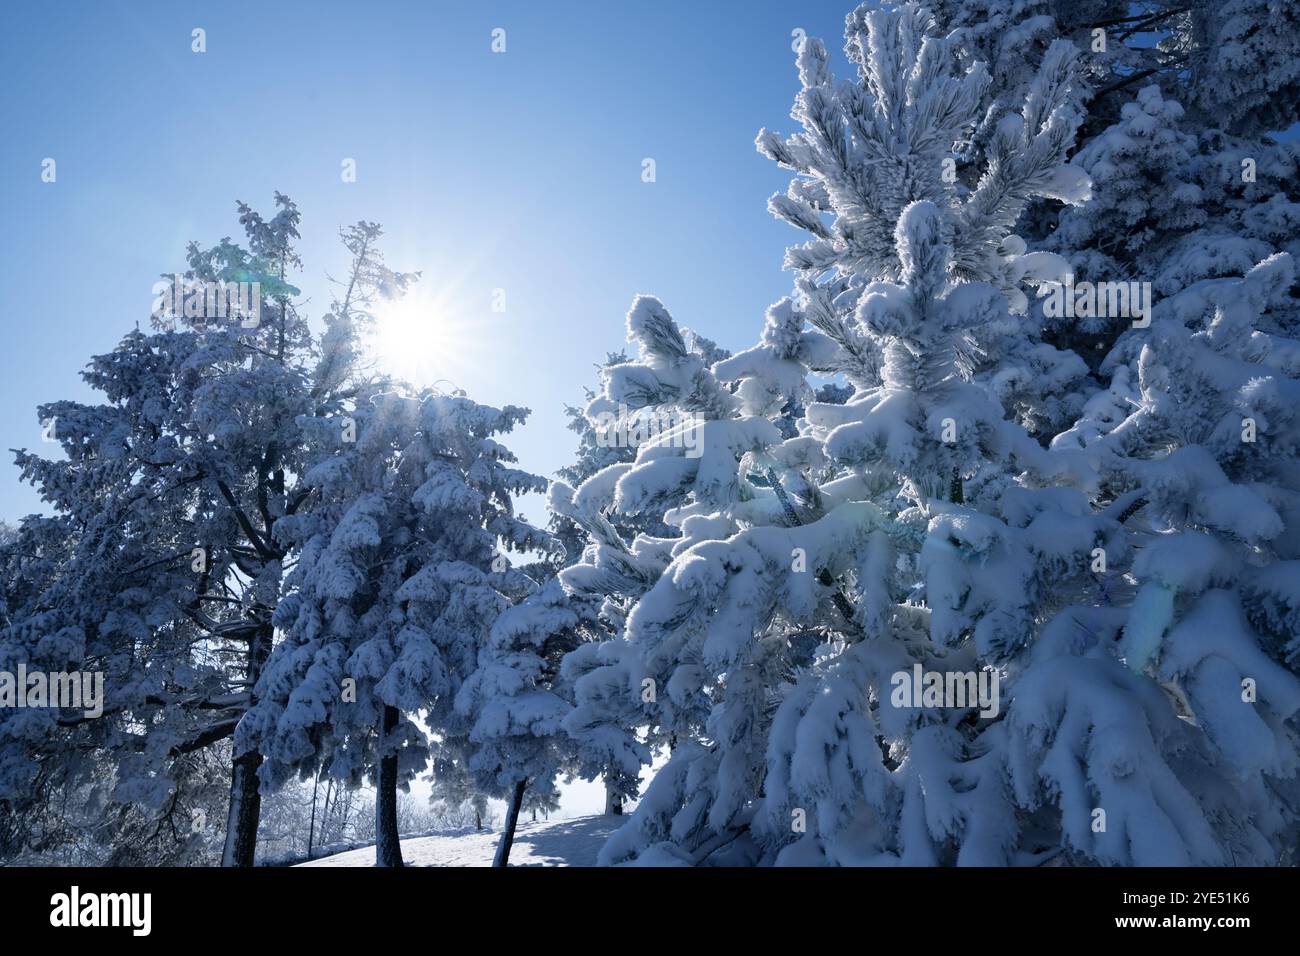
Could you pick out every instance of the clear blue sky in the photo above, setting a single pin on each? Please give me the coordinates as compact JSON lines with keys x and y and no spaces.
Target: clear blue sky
{"x":519,"y":171}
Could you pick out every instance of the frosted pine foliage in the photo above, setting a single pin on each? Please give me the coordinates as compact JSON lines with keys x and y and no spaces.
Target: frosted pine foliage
{"x":1125,"y":585}
{"x":1249,"y":78}
{"x":905,"y":133}
{"x":1144,"y":201}
{"x":514,"y":696}
{"x":1177,"y":206}
{"x":870,"y":149}
{"x":399,"y":580}
{"x":1205,"y":454}
{"x":169,"y":492}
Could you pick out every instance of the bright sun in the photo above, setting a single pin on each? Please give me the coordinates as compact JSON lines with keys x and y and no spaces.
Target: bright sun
{"x":418,"y":338}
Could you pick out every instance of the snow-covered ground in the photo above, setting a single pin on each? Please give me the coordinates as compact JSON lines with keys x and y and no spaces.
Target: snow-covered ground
{"x":572,"y":842}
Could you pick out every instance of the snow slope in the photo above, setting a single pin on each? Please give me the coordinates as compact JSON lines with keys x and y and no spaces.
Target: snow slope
{"x":545,"y":843}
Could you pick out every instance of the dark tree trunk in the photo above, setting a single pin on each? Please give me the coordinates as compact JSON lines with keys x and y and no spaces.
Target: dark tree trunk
{"x":245,"y":810}
{"x":245,"y":799}
{"x":478,"y":820}
{"x":613,"y":802}
{"x":512,"y":819}
{"x":388,"y":847}
{"x":311,"y":826}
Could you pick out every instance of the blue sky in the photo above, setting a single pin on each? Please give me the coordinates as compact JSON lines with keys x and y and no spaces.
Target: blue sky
{"x":518,"y":171}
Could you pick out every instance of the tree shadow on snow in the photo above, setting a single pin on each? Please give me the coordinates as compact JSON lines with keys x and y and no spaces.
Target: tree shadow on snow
{"x":564,"y":842}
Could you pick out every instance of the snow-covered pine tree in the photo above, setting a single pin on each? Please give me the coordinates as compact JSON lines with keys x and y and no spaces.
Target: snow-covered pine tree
{"x":454,"y":792}
{"x":515,"y":699}
{"x":1230,"y":63}
{"x":1236,"y":62}
{"x":399,"y":577}
{"x":590,"y":456}
{"x":599,"y":447}
{"x":1203,"y":460}
{"x":1178,"y":105}
{"x":611,"y":433}
{"x":83,"y":592}
{"x":352,"y":551}
{"x":948,"y":534}
{"x":853,"y":169}
{"x":717,"y":625}
{"x":689,"y":432}
{"x":1174,"y":203}
{"x":31,"y":557}
{"x":172,"y":488}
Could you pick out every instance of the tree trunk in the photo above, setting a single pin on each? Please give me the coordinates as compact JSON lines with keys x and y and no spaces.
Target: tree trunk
{"x":245,"y":799}
{"x":388,"y":847}
{"x":613,"y":802}
{"x":328,"y":804}
{"x":311,"y":826}
{"x":478,"y":820}
{"x":512,"y":819}
{"x":245,"y":810}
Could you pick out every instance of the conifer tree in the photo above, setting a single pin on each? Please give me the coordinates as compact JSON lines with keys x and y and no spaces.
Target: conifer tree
{"x":398,"y":580}
{"x":920,"y":528}
{"x":171,"y":491}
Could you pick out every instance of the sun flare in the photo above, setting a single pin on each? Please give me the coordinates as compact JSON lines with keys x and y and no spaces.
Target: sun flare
{"x":418,"y":338}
